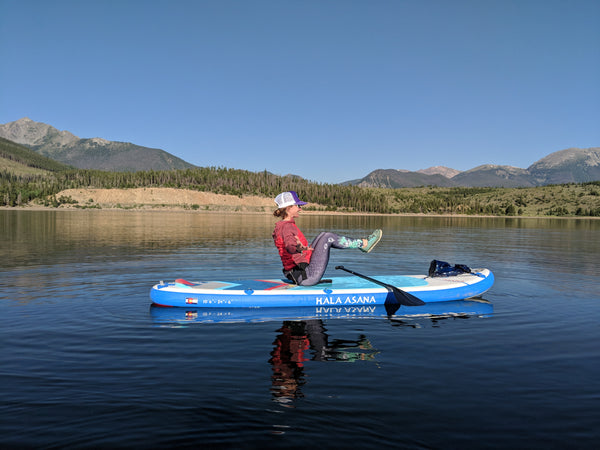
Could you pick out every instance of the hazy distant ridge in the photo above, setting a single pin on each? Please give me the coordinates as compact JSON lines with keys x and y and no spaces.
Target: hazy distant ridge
{"x":573,"y":165}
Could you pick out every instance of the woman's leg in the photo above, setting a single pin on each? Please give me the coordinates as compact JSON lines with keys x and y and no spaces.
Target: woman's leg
{"x":320,"y":256}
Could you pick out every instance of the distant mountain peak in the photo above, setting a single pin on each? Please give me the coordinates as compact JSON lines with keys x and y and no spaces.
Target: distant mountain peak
{"x":440,"y":170}
{"x":587,"y":156}
{"x":496,"y":167}
{"x":28,"y":132}
{"x":393,"y":178}
{"x":572,"y":165}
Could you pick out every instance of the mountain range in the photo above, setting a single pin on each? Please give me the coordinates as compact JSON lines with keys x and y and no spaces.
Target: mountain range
{"x":573,"y":165}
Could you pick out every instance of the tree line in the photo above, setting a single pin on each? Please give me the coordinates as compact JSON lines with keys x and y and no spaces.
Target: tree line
{"x":16,"y":190}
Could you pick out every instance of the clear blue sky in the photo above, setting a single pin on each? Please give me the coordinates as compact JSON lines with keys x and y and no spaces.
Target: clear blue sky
{"x":326,"y":89}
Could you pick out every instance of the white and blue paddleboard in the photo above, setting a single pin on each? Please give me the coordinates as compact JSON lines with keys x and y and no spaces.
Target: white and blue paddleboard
{"x":338,"y":291}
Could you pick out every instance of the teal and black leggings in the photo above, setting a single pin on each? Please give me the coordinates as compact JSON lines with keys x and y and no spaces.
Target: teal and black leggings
{"x":322,"y":245}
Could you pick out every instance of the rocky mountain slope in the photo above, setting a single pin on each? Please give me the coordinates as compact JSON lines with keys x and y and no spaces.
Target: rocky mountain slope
{"x":573,"y":165}
{"x":440,"y":170}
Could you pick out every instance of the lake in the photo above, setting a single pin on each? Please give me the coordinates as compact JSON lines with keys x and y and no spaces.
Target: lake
{"x":87,"y":362}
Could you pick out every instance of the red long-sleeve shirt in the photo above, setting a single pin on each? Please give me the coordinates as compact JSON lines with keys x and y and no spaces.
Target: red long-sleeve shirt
{"x":284,"y":236}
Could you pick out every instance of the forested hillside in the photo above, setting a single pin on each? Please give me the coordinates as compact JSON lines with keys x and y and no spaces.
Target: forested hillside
{"x":11,"y":151}
{"x":17,"y":190}
{"x":576,"y":199}
{"x":26,"y":176}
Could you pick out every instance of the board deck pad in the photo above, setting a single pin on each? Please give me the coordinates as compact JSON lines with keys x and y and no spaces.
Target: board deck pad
{"x":335,"y":283}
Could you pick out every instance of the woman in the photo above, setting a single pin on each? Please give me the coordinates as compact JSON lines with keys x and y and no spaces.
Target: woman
{"x":304,"y":264}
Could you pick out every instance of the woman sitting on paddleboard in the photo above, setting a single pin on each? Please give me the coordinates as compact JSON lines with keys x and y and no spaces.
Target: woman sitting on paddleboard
{"x":304,"y":264}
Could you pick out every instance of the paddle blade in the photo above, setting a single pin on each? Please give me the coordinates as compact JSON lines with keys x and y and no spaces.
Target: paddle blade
{"x":403,"y":298}
{"x":406,"y":299}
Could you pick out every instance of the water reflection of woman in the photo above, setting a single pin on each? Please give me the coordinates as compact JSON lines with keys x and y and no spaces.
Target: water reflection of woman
{"x":290,"y":353}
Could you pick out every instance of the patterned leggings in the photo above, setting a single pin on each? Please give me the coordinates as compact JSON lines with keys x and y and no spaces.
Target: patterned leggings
{"x":320,"y":257}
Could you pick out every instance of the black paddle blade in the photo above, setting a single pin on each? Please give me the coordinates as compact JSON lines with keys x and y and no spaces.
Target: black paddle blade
{"x":403,"y":298}
{"x":406,"y":299}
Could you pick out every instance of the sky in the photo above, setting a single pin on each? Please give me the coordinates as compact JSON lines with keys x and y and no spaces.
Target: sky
{"x":326,"y":89}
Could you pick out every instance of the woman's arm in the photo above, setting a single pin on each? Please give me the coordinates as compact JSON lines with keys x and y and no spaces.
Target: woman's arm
{"x":290,"y":238}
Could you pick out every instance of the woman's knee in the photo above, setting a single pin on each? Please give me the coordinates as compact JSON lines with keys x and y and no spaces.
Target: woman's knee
{"x":325,"y":239}
{"x":310,"y":281}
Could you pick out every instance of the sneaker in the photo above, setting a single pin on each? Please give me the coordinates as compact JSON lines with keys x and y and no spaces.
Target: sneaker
{"x":372,"y":241}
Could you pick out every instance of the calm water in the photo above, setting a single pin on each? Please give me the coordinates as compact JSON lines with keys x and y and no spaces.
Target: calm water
{"x":86,"y":362}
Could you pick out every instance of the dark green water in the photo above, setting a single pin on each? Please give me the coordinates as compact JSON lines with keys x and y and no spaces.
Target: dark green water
{"x":86,"y":362}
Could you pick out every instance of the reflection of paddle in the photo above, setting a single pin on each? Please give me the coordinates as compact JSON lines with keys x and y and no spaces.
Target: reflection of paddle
{"x":403,"y":298}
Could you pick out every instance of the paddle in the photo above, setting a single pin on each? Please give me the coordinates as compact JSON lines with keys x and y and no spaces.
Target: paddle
{"x":403,"y":298}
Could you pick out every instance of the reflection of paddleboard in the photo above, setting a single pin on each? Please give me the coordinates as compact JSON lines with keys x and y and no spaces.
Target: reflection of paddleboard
{"x":232,"y":315}
{"x":337,"y":292}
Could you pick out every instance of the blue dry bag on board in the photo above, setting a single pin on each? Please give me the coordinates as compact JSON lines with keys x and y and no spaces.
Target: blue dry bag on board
{"x":443,"y":269}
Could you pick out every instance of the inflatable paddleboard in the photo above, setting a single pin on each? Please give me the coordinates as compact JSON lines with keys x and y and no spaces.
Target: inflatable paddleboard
{"x":338,"y":291}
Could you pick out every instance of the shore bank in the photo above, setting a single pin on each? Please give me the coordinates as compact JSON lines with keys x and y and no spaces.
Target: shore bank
{"x":172,"y":199}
